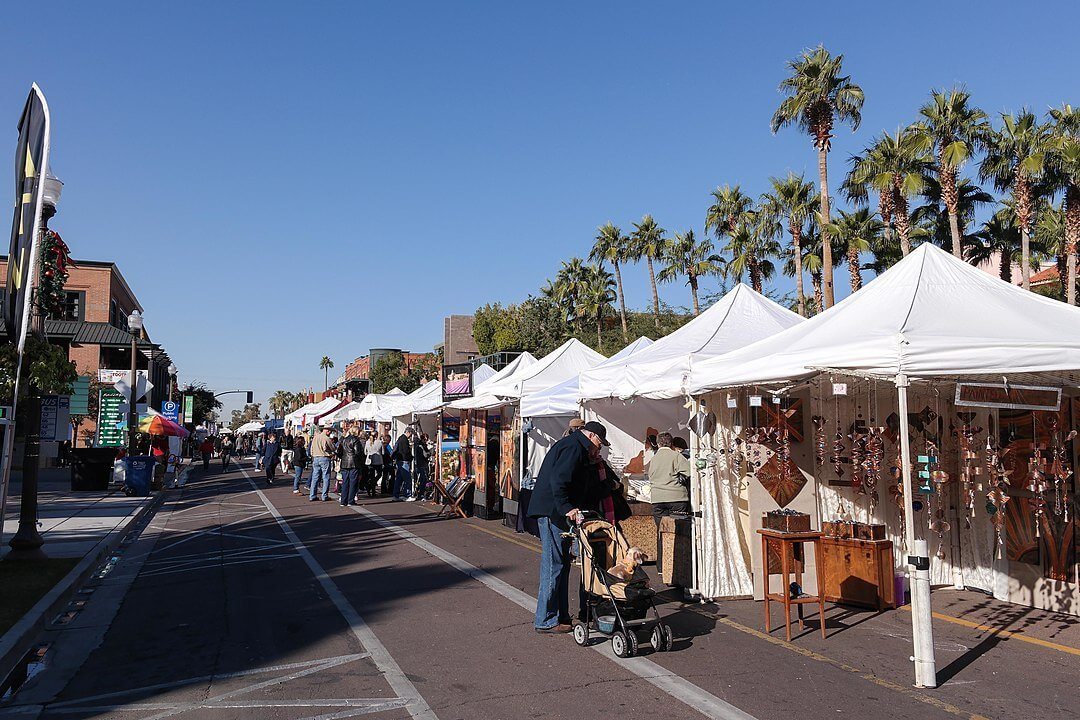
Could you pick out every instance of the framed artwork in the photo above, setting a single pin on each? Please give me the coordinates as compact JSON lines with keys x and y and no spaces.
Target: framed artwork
{"x":457,"y":381}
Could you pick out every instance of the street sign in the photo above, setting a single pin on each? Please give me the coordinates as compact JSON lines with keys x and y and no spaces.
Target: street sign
{"x":171,"y":410}
{"x":80,"y":396}
{"x":55,"y":417}
{"x":111,"y":376}
{"x":142,"y":387}
{"x":189,"y":408}
{"x":112,"y":419}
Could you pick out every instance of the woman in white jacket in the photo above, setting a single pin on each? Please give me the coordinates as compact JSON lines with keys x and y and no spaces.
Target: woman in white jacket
{"x":373,"y":450}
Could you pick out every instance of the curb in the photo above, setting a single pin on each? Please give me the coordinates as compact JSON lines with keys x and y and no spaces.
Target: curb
{"x":19,"y":639}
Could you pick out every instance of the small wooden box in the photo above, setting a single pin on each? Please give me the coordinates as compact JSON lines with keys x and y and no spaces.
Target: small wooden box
{"x":786,"y":523}
{"x":868,"y":531}
{"x":852,"y":531}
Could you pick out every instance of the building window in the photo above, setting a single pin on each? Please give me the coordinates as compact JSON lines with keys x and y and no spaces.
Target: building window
{"x":74,"y":305}
{"x":114,"y":313}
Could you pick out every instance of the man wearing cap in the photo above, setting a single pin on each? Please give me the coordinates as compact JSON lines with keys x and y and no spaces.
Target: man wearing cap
{"x":561,"y":490}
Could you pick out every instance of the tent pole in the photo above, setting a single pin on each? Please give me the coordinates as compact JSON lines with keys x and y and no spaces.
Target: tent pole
{"x":695,"y":496}
{"x":918,"y":558}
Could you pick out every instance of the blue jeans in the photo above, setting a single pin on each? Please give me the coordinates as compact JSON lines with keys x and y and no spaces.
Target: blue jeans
{"x":420,"y":477}
{"x":320,"y":471}
{"x":349,"y":476}
{"x":298,"y":475}
{"x":552,"y":600}
{"x":403,"y":481}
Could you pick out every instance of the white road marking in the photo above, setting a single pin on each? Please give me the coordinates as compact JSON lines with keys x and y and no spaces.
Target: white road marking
{"x":399,"y":682}
{"x":674,"y":685}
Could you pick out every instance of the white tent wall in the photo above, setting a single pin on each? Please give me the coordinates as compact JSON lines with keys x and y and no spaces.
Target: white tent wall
{"x":545,"y":433}
{"x":627,"y":420}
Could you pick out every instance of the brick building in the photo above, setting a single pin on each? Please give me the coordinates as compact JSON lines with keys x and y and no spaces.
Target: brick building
{"x":358,"y":372}
{"x":93,"y":328}
{"x":458,"y":345}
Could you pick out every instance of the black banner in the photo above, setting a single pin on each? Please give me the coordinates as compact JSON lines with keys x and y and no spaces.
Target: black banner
{"x":31,"y":158}
{"x":456,"y":381}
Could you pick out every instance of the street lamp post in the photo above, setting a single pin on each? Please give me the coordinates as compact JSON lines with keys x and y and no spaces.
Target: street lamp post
{"x":172,"y":380}
{"x":27,"y":542}
{"x":135,"y":326}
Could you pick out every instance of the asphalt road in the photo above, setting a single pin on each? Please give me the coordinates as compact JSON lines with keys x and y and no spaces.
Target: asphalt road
{"x":241,"y":601}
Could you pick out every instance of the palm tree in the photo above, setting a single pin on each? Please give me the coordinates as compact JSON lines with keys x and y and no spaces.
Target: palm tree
{"x":792,"y":200}
{"x":686,"y":256}
{"x":566,"y":290}
{"x":817,"y":96}
{"x":325,"y":364}
{"x":853,"y":234}
{"x":751,"y":246}
{"x":933,"y":217}
{"x":1002,"y":238}
{"x":1065,"y":166}
{"x":810,"y":249}
{"x":611,"y":246}
{"x":596,"y":296}
{"x":1015,"y":160}
{"x":730,"y":209}
{"x":894,"y":166}
{"x":279,"y":402}
{"x":1049,"y":231}
{"x":647,"y":242}
{"x":954,"y":129}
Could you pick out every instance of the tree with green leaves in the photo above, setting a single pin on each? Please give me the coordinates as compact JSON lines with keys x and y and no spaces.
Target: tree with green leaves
{"x":597,"y":295}
{"x":855,"y":233}
{"x":932,"y":217}
{"x":810,"y":250}
{"x":204,"y":405}
{"x":250,"y":412}
{"x":1001,"y":238}
{"x":751,"y":246}
{"x":613,"y":247}
{"x":1065,"y":172}
{"x":792,"y":201}
{"x":647,"y":243}
{"x":895,"y":167}
{"x":325,"y":365}
{"x":954,"y":129}
{"x":280,"y":402}
{"x":388,"y":372}
{"x":1049,"y":232}
{"x":45,"y":366}
{"x":818,"y":96}
{"x":1015,"y":160}
{"x":686,"y":256}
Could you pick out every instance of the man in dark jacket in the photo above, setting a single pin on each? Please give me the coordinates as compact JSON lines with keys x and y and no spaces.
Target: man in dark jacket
{"x":403,"y":455}
{"x":562,"y":489}
{"x":350,"y":452}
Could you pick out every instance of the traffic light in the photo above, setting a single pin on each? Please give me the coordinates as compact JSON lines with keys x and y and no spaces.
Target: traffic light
{"x":251,"y":397}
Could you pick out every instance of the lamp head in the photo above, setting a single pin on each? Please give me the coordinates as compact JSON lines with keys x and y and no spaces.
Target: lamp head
{"x":135,"y":322}
{"x":50,"y":190}
{"x":172,"y":369}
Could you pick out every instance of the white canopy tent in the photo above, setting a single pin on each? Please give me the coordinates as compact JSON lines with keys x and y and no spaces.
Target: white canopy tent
{"x":547,"y":412}
{"x":252,"y":426}
{"x":377,"y":407}
{"x":296,"y":417}
{"x":931,"y":317}
{"x":481,"y":398}
{"x":339,"y":415}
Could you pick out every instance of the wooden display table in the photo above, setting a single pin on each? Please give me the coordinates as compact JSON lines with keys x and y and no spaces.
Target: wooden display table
{"x":858,"y":572}
{"x":790,"y":546}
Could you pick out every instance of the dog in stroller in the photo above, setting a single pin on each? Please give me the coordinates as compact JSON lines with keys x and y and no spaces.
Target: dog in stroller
{"x":617,"y":606}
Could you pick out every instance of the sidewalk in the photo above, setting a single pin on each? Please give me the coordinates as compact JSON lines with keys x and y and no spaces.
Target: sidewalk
{"x":81,"y":527}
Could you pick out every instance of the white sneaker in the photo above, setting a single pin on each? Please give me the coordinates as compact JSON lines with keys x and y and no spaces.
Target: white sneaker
{"x":295,"y":492}
{"x":411,"y":499}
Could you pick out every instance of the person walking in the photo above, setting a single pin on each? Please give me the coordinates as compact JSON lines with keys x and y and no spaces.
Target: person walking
{"x":563,"y":487}
{"x":287,"y":442}
{"x":373,"y":450}
{"x":206,"y":449}
{"x":270,"y":456}
{"x":350,"y":452}
{"x":420,"y":465}
{"x":298,"y":460}
{"x":227,"y":448}
{"x":322,"y":450}
{"x":669,"y":478}
{"x":389,"y":466}
{"x":260,"y":447}
{"x":403,"y":456}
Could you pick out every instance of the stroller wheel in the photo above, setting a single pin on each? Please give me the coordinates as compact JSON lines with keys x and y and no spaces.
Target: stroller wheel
{"x":624,"y":644}
{"x":581,"y":634}
{"x":658,"y":639}
{"x":669,"y":638}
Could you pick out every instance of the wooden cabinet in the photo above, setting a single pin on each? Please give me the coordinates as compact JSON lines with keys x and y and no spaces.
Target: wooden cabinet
{"x":858,"y":572}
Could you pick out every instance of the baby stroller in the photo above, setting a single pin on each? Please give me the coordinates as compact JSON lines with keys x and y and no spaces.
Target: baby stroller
{"x":616,"y":608}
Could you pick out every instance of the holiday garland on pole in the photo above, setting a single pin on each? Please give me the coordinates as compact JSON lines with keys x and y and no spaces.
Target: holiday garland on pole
{"x":52,"y":274}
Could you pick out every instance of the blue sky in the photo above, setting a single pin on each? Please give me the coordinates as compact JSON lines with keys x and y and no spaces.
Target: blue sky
{"x":282,"y":181}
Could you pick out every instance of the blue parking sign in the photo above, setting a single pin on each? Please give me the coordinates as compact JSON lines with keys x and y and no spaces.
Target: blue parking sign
{"x":171,"y":410}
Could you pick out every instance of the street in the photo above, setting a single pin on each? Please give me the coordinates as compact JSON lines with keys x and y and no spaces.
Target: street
{"x":238,"y":600}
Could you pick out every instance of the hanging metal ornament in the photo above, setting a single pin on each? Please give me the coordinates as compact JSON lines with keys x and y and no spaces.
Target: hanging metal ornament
{"x":821,"y":440}
{"x":970,"y":469}
{"x":1060,"y":470}
{"x":998,"y":478}
{"x":1037,"y":481}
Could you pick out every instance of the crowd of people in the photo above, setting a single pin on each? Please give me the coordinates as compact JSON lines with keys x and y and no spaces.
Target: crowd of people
{"x":351,"y":460}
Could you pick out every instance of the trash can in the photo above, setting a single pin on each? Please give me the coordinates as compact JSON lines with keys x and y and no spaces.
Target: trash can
{"x":91,"y":468}
{"x":138,"y":471}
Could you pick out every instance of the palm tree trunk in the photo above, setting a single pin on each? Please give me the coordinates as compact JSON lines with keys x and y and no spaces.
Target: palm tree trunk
{"x":903,"y":222}
{"x":599,"y":323}
{"x":693,"y":293}
{"x":622,"y":303}
{"x":826,"y":246}
{"x":947,"y":178}
{"x":1005,"y":267}
{"x":1062,"y":271}
{"x":655,"y":295}
{"x":815,"y":281}
{"x":326,"y":379}
{"x":1072,"y":237}
{"x":796,"y":246}
{"x":1025,"y":258}
{"x":755,"y":273}
{"x":1023,"y":196}
{"x":853,"y":269}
